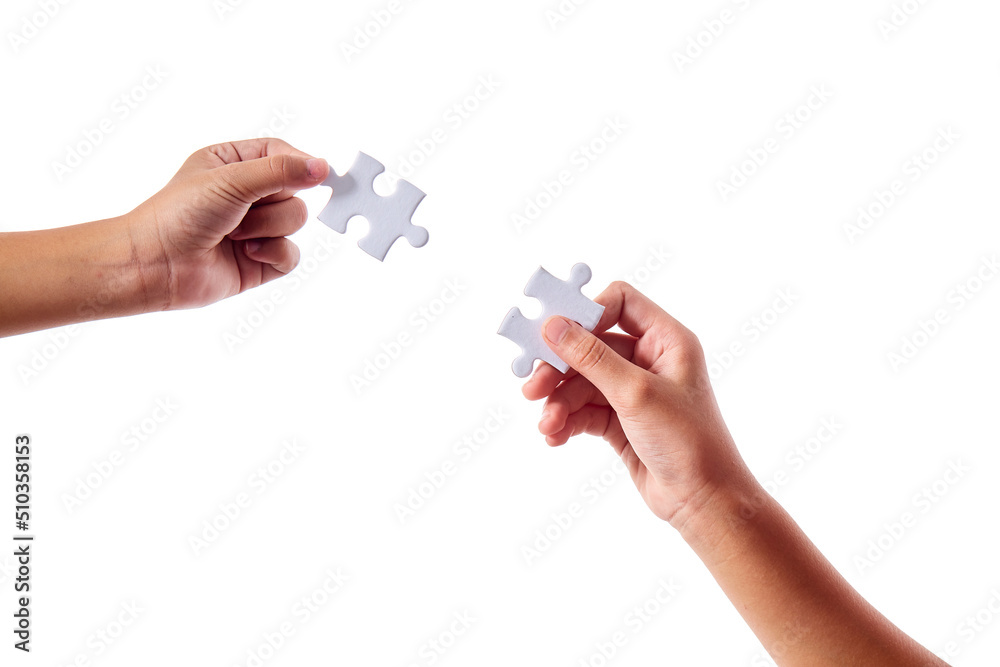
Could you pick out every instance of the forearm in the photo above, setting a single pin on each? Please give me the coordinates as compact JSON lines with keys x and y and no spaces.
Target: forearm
{"x":802,"y":610}
{"x":73,"y":274}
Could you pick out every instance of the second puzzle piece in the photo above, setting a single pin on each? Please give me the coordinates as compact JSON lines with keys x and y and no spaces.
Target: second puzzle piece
{"x":388,"y":217}
{"x":558,"y":297}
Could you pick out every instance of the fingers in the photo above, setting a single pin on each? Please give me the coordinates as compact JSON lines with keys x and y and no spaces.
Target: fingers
{"x":279,"y":256}
{"x":266,"y":170}
{"x":546,"y":378}
{"x":573,"y":395}
{"x":625,"y":307}
{"x":251,"y":149}
{"x":576,"y":392}
{"x":544,"y":382}
{"x":632,"y":311}
{"x":272,"y":178}
{"x":282,"y":218}
{"x":664,"y":343}
{"x":589,"y":355}
{"x":593,"y":420}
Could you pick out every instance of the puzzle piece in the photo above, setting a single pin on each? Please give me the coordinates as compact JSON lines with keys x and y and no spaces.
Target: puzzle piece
{"x":388,"y":217}
{"x":558,"y":297}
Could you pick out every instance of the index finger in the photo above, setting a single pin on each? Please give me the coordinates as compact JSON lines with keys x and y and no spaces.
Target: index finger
{"x":633,"y":312}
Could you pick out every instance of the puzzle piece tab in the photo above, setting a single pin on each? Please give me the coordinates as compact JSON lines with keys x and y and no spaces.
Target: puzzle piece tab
{"x":388,"y":217}
{"x":558,"y":297}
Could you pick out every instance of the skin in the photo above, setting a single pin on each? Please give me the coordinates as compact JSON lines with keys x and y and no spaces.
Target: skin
{"x":217,"y":229}
{"x":647,"y":393}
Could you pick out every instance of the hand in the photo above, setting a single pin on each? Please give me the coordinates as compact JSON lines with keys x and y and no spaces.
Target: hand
{"x":218,"y":228}
{"x":647,"y":392}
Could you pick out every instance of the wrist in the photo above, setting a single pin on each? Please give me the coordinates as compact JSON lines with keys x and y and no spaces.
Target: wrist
{"x":117,"y":270}
{"x":148,"y":266}
{"x":720,"y":511}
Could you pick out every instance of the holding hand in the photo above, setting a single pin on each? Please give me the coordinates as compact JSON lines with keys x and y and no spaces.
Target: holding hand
{"x":647,"y":393}
{"x":218,"y":228}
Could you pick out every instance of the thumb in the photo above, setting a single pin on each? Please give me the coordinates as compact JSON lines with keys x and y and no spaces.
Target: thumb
{"x":588,"y":354}
{"x":254,"y":180}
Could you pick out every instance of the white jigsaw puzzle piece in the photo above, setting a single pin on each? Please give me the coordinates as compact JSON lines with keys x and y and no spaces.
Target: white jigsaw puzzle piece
{"x":388,"y":217}
{"x":558,"y":297}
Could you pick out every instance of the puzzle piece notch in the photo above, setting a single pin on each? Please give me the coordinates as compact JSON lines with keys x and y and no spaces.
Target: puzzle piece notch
{"x":558,"y":297}
{"x":388,"y":217}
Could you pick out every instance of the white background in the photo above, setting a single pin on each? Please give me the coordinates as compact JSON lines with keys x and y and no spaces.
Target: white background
{"x":280,"y":68}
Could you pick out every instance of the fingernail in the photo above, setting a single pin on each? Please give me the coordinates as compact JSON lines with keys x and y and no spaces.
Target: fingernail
{"x":315,"y":166}
{"x":545,"y":415}
{"x":252,"y":247}
{"x":556,"y":328}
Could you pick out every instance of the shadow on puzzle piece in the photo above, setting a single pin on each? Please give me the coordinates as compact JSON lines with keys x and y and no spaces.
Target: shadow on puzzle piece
{"x":558,"y":297}
{"x":388,"y":217}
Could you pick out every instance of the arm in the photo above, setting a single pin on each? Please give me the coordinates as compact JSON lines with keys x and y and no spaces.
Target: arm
{"x":217,"y":229}
{"x":647,"y":393}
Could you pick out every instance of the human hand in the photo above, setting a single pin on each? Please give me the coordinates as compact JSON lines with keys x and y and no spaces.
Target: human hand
{"x":645,"y":391}
{"x":218,"y":227}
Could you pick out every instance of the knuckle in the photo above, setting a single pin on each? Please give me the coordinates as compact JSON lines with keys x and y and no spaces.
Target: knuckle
{"x":590,"y":351}
{"x":691,"y":355}
{"x":640,"y":389}
{"x":301,"y":210}
{"x":622,"y":286}
{"x":225,"y":151}
{"x":289,"y":253}
{"x":214,"y":149}
{"x":688,"y":343}
{"x":294,"y":255}
{"x":275,"y":143}
{"x":279,"y":166}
